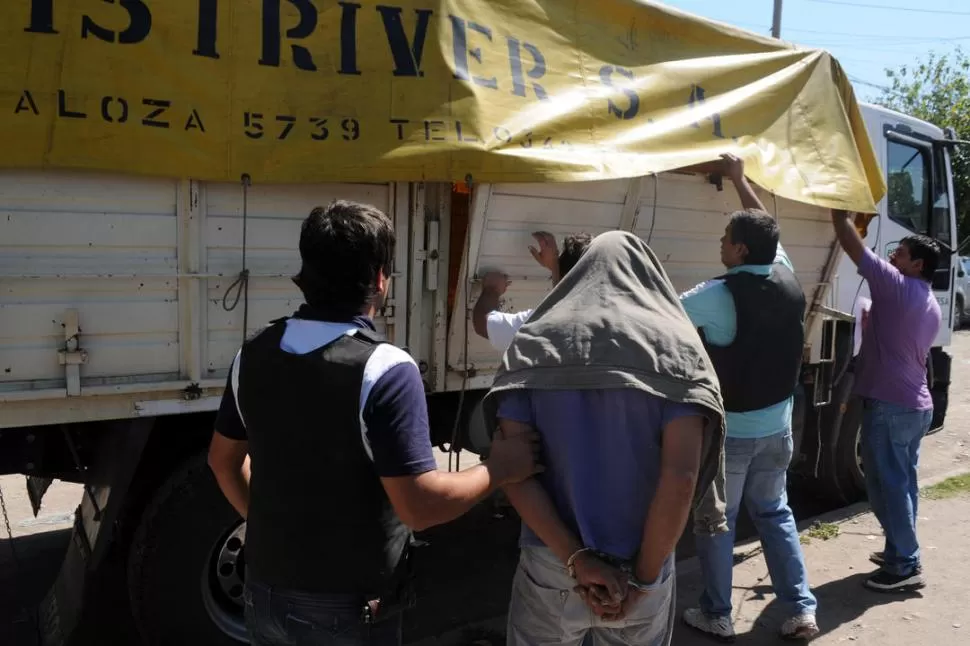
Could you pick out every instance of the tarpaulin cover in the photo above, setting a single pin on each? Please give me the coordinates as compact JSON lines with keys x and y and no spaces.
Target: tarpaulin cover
{"x":406,"y":90}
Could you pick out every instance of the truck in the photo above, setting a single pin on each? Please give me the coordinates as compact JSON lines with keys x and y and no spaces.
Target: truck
{"x":126,"y":291}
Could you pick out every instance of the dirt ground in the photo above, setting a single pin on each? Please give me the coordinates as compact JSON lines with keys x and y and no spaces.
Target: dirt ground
{"x":939,"y":614}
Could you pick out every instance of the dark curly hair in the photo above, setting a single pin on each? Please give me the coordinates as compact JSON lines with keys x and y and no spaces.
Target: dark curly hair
{"x":344,"y":247}
{"x":573,"y":248}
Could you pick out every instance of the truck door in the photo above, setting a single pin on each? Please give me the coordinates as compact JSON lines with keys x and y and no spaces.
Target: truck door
{"x":919,"y":200}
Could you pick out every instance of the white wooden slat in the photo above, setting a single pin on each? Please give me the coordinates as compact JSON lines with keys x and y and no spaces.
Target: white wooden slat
{"x":610,"y":191}
{"x":71,"y":227}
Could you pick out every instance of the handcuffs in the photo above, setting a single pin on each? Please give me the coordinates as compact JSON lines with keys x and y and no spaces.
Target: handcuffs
{"x":622,"y":565}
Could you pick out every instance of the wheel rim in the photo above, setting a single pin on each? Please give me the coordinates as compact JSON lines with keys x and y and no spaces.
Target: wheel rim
{"x":223,"y":580}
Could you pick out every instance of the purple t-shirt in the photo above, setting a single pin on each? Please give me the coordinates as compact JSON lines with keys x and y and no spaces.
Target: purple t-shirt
{"x":903,"y":323}
{"x":601,"y":450}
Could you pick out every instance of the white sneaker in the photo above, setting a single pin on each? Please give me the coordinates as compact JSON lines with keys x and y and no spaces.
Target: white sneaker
{"x":799,"y":627}
{"x":720,"y":628}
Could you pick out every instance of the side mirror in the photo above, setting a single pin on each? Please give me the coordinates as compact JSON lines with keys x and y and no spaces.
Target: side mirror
{"x":961,"y":274}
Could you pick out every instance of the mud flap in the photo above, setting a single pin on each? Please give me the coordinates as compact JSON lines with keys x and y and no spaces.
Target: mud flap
{"x":62,"y":611}
{"x":36,"y":488}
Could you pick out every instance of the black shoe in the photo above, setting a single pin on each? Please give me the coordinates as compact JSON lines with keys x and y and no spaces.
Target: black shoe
{"x":886,"y":582}
{"x":879,"y":558}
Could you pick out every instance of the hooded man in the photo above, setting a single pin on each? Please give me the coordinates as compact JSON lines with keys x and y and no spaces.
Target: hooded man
{"x":610,"y":372}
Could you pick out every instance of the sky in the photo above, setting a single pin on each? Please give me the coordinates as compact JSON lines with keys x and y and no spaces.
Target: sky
{"x":866,"y":36}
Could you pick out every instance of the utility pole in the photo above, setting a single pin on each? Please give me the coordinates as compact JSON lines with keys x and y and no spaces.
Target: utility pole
{"x":776,"y":21}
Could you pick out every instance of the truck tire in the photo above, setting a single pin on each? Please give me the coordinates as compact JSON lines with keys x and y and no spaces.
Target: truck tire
{"x":176,"y":593}
{"x":841,"y":474}
{"x":942,"y":366}
{"x":848,"y":469}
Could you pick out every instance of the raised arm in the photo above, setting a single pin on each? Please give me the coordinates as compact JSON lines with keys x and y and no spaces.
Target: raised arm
{"x":734,"y":169}
{"x":494,"y":285}
{"x":848,"y":235}
{"x":547,"y":253}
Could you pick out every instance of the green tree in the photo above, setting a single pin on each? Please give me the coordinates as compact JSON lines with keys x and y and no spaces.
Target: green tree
{"x":937,"y":89}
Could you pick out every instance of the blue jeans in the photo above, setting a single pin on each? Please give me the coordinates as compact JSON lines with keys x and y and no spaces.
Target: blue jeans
{"x":277,"y":617}
{"x":756,"y":471}
{"x":891,"y":436}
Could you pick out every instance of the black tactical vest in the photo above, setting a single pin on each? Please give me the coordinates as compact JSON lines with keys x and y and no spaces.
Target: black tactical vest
{"x":761,"y":367}
{"x":319,"y":518}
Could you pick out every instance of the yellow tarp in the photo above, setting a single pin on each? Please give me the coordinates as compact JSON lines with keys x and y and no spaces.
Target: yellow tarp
{"x":503,"y":90}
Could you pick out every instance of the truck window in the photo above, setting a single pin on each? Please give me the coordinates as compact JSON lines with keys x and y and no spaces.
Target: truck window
{"x":908,"y":181}
{"x":940,"y":219}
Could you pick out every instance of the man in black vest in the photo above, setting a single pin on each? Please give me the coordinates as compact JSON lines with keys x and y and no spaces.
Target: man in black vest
{"x":322,"y":445}
{"x":752,"y":322}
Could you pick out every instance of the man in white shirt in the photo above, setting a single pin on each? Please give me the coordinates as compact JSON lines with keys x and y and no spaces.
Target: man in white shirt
{"x":500,"y":327}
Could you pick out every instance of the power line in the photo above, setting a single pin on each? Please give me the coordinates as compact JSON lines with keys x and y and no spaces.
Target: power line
{"x":892,"y":7}
{"x":850,"y":42}
{"x":862,"y":48}
{"x":889,"y":90}
{"x":906,"y":40}
{"x":861,"y":35}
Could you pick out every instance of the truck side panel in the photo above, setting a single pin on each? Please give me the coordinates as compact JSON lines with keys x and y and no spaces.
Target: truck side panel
{"x":145,"y":269}
{"x":102,"y":245}
{"x":682,"y":217}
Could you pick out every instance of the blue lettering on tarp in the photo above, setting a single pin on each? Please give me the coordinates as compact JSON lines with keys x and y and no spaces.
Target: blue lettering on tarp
{"x":461,"y":51}
{"x":272,"y":44}
{"x":351,"y":128}
{"x":407,"y":55}
{"x":288,"y":123}
{"x":400,"y":123}
{"x":62,"y":110}
{"x":464,"y":137}
{"x":606,"y":77}
{"x":194,"y":121}
{"x":697,"y":96}
{"x":151,"y":119}
{"x":26,"y":102}
{"x":253,"y":125}
{"x":322,"y":131}
{"x":208,"y":21}
{"x":502,"y":134}
{"x":432,"y":130}
{"x":348,"y":38}
{"x":139,"y":24}
{"x":41,"y":17}
{"x":106,"y":113}
{"x":537,"y":72}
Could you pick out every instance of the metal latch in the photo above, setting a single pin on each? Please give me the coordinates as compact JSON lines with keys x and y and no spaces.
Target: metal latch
{"x":72,"y":356}
{"x":431,"y":255}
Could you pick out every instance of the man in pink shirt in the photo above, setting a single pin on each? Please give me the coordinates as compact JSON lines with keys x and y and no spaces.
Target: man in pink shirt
{"x":891,"y":380}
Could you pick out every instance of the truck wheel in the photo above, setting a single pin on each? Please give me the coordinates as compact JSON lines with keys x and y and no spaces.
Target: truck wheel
{"x":848,"y":471}
{"x":186,"y":566}
{"x":958,"y":315}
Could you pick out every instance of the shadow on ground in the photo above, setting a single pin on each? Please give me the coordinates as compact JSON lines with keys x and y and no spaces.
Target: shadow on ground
{"x":465,"y":574}
{"x":844,"y":600}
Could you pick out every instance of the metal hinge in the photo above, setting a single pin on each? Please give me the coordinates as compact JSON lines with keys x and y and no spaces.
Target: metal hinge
{"x":431,"y":255}
{"x":72,"y":357}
